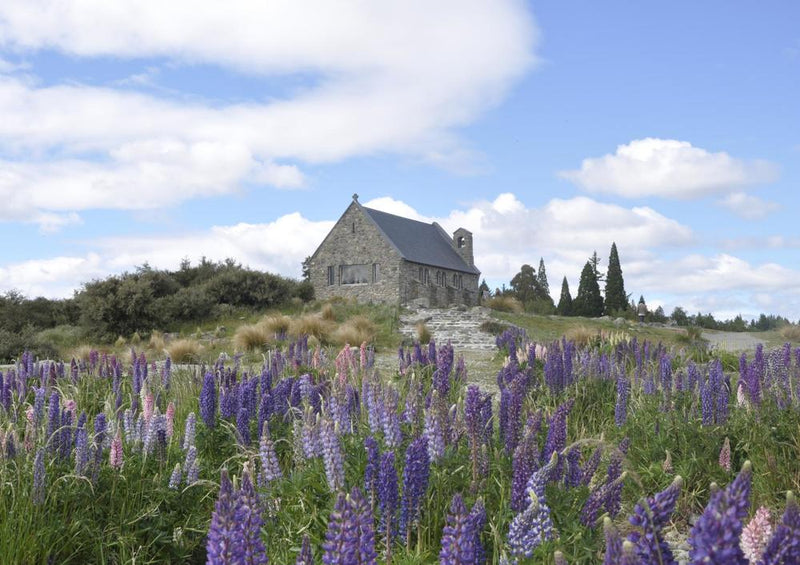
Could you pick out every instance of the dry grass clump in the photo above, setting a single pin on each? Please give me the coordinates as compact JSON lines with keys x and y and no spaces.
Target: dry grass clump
{"x":277,"y":325}
{"x":355,"y":331}
{"x":157,"y":341}
{"x":423,"y":333}
{"x":312,"y":325}
{"x":184,"y":351}
{"x":327,"y":312}
{"x":581,"y":335}
{"x":253,"y":336}
{"x":81,"y":352}
{"x":505,"y":304}
{"x":791,"y":332}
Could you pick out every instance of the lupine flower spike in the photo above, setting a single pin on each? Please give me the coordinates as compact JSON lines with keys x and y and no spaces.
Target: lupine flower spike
{"x":756,"y":534}
{"x":725,"y":455}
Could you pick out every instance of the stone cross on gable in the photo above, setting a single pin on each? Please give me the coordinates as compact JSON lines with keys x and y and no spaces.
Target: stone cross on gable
{"x":355,"y":197}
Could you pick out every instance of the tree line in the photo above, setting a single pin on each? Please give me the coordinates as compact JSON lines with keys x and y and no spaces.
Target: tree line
{"x":532,"y":289}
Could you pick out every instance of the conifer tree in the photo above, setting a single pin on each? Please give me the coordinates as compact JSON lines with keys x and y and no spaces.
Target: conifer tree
{"x":588,"y":302}
{"x":616,"y":299}
{"x":565,"y":302}
{"x":541,"y":276}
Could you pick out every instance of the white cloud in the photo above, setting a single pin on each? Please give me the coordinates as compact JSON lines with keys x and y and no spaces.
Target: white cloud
{"x":747,"y":206}
{"x":668,"y":168}
{"x":387,"y":80}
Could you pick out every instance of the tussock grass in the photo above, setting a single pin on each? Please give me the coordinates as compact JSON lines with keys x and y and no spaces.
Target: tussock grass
{"x":423,"y":333}
{"x":327,"y":312}
{"x":312,"y":325}
{"x":251,"y":337}
{"x":791,"y":332}
{"x":185,"y":350}
{"x":505,"y":304}
{"x":81,"y":353}
{"x":157,"y":341}
{"x":582,"y":335}
{"x":277,"y":324}
{"x":355,"y":331}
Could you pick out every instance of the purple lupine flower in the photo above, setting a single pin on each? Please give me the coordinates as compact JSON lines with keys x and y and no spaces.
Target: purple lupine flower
{"x":557,"y":433}
{"x":243,"y":426}
{"x":434,"y":431}
{"x":66,"y":434}
{"x":390,"y":420}
{"x":38,"y":406}
{"x":477,"y":517}
{"x":305,"y":557}
{"x":189,"y":431}
{"x":39,"y":477}
{"x":270,"y":469}
{"x":612,"y":500}
{"x":524,"y":463}
{"x":208,"y":401}
{"x":350,"y":537}
{"x":11,"y":445}
{"x":599,"y":498}
{"x":249,"y":548}
{"x":621,"y":407}
{"x":222,"y":532}
{"x":784,"y":545}
{"x":714,"y":538}
{"x":649,"y":517}
{"x":190,"y":465}
{"x":387,"y":496}
{"x":613,"y":555}
{"x":332,"y":456}
{"x":415,"y":483}
{"x":441,"y":375}
{"x":81,"y":451}
{"x":574,"y":474}
{"x":362,"y":512}
{"x":530,"y":528}
{"x":371,"y":469}
{"x":457,"y":537}
{"x":539,"y":479}
{"x":53,"y":422}
{"x":175,"y":477}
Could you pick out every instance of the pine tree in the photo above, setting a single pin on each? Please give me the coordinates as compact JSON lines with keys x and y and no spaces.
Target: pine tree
{"x":541,"y":277}
{"x":525,"y":284}
{"x":588,"y":302}
{"x":565,"y":302}
{"x":616,"y":299}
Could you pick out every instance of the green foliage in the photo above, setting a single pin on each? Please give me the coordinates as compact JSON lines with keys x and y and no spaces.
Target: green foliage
{"x":588,"y":302}
{"x":541,"y":278}
{"x":565,"y":302}
{"x":149,"y":298}
{"x":615,"y":298}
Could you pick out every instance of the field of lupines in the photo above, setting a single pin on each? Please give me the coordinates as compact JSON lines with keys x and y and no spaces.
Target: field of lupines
{"x":605,"y":454}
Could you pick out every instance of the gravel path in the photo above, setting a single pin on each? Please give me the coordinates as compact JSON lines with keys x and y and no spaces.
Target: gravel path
{"x":732,"y":341}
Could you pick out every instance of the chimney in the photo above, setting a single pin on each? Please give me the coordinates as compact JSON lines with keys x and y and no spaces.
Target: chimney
{"x":462,"y":243}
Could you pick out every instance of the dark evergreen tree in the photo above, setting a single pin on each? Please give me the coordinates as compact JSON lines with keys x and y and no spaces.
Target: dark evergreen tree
{"x":484,"y":287}
{"x":616,"y":299}
{"x":565,"y":302}
{"x":306,"y":266}
{"x":595,"y":262}
{"x":525,"y":284}
{"x":541,"y":277}
{"x":589,"y":301}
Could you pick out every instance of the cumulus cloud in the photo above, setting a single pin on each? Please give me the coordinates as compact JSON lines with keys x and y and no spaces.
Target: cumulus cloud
{"x":748,"y":206}
{"x":381,"y":79}
{"x":668,"y":168}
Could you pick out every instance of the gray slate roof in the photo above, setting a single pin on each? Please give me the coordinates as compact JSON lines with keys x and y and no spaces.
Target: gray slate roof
{"x":419,"y":242}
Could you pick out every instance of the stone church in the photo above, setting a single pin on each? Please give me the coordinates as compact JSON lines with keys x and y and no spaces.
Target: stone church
{"x":374,"y":256}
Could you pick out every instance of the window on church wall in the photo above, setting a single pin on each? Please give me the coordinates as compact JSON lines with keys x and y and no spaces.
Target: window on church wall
{"x":331,"y":280}
{"x":461,"y":242}
{"x":355,"y":274}
{"x":376,"y":272}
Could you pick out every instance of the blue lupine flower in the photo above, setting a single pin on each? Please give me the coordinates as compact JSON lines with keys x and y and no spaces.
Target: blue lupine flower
{"x":649,"y":517}
{"x":208,"y":401}
{"x":457,"y":537}
{"x":415,"y":482}
{"x":38,"y":494}
{"x":530,"y":528}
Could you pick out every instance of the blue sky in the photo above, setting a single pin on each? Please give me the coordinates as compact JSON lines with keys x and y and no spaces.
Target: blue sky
{"x":143,"y":131}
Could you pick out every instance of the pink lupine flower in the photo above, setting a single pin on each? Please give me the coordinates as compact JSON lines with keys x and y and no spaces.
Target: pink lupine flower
{"x":115,"y":457}
{"x":149,"y":402}
{"x":71,"y":406}
{"x":741,"y":397}
{"x":755,"y":535}
{"x":29,"y":414}
{"x":170,"y":419}
{"x":666,"y":465}
{"x":363,"y":352}
{"x":725,"y":455}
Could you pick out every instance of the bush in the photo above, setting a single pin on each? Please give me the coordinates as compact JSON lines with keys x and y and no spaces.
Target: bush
{"x":278,"y":325}
{"x":582,"y":335}
{"x":505,"y":304}
{"x":493,"y":327}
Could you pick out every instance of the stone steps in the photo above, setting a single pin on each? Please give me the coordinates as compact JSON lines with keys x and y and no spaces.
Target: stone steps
{"x":460,"y":326}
